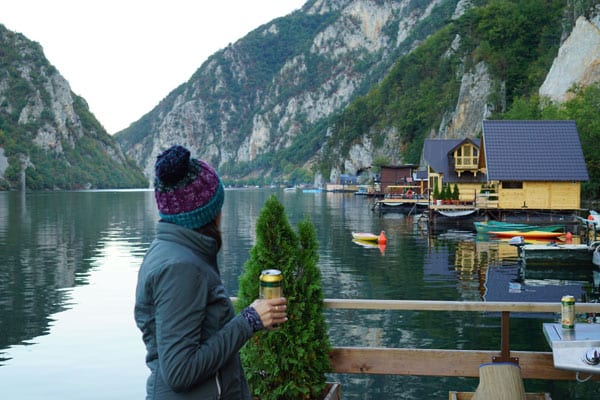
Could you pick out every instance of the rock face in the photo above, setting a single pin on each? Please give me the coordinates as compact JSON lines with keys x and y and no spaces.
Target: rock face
{"x":577,"y":63}
{"x":269,"y":95}
{"x":232,"y":112}
{"x":46,"y":121}
{"x":472,"y":106}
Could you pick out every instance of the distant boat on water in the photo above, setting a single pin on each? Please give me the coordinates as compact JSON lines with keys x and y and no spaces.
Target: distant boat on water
{"x":312,"y":190}
{"x":499,"y":226}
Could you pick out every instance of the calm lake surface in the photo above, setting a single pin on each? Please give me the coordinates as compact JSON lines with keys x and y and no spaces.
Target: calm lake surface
{"x":69,"y":262}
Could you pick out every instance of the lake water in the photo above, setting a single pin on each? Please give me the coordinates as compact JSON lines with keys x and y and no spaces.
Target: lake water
{"x":69,"y":260}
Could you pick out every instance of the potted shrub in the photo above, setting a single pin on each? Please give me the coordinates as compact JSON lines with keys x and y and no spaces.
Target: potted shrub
{"x":447,"y":194}
{"x":291,"y":361}
{"x":455,"y":194}
{"x":436,"y":194}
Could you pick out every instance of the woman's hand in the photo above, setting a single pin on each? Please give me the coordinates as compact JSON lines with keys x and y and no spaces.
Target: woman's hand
{"x":272,"y":312}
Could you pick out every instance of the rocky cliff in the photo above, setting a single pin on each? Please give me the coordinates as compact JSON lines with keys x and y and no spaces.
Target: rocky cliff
{"x":577,"y":62}
{"x":256,"y":98}
{"x":265,"y":105}
{"x":48,"y":137}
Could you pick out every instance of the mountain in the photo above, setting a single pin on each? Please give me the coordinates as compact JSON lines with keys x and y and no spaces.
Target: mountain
{"x":49,"y":139}
{"x":261,"y":106}
{"x":341,"y":85}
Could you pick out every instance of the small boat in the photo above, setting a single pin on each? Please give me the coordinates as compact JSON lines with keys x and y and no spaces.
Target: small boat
{"x":456,"y":213}
{"x":392,"y":203}
{"x":527,"y":234}
{"x":405,"y":206}
{"x":365,"y":237}
{"x":496,"y":226}
{"x":596,"y":256}
{"x":370,"y":237}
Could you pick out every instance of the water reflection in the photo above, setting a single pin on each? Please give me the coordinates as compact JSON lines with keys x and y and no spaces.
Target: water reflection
{"x":49,"y":241}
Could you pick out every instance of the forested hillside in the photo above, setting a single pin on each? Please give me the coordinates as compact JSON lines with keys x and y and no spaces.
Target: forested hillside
{"x":517,"y":42}
{"x":49,"y":139}
{"x":334,"y":88}
{"x":343,"y":85}
{"x":259,"y":110}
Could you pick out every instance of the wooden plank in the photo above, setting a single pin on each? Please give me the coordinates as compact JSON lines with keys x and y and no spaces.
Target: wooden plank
{"x":426,"y":305}
{"x":435,"y":362}
{"x":434,"y":305}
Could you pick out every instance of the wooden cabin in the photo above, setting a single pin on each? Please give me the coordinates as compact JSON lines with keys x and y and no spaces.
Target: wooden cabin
{"x":454,"y":161}
{"x":517,"y":165}
{"x":534,"y":164}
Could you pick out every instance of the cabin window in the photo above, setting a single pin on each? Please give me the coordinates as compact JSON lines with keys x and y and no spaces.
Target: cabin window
{"x":466,"y":156}
{"x":512,"y":185}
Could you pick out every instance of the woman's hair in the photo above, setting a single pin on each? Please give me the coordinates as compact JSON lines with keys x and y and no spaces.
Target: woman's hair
{"x":212,"y":230}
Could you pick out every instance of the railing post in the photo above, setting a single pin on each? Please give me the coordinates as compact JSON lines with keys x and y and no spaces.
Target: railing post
{"x":505,"y":341}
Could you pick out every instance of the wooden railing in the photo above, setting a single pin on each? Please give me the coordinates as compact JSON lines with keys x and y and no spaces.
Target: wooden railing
{"x":450,"y":363}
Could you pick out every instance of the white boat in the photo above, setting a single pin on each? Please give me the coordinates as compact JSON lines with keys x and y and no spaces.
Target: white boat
{"x":596,"y":255}
{"x":392,"y":203}
{"x":456,"y":213}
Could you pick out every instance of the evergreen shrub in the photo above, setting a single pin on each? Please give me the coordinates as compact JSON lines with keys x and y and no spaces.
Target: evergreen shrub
{"x":291,"y":361}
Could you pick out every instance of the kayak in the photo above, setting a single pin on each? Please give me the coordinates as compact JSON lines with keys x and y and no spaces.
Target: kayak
{"x":497,"y":226}
{"x":365,"y":236}
{"x":527,"y":234}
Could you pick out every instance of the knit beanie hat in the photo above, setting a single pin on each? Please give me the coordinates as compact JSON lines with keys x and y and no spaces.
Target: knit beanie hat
{"x":188,"y":192}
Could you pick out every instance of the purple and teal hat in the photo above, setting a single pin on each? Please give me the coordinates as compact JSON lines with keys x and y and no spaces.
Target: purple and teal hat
{"x":188,"y":192}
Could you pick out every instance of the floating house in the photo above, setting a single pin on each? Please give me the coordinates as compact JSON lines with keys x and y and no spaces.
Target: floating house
{"x":534,"y":164}
{"x":516,"y":166}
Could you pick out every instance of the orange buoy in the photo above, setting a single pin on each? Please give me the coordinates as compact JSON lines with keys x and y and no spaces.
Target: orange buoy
{"x":590,"y":217}
{"x":382,"y":239}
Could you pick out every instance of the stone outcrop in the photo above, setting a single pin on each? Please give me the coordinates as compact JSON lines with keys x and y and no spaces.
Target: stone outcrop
{"x":577,"y":63}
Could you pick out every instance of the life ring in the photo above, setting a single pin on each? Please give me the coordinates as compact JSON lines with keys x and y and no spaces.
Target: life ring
{"x":409,"y":194}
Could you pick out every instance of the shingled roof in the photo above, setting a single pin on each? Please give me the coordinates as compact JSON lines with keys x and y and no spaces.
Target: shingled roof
{"x":533,"y":151}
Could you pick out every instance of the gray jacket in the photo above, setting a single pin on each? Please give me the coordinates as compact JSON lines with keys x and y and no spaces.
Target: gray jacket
{"x":191,"y":333}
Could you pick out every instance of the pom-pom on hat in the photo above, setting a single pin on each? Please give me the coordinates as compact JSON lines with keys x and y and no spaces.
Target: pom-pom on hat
{"x":188,"y":192}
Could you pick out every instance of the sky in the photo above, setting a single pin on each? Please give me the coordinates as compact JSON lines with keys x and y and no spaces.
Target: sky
{"x":124,"y":56}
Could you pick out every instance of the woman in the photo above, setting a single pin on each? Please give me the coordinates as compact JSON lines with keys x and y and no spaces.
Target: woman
{"x":188,"y":324}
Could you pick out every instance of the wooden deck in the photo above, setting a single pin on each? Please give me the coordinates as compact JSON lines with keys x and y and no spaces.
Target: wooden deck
{"x":450,"y":363}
